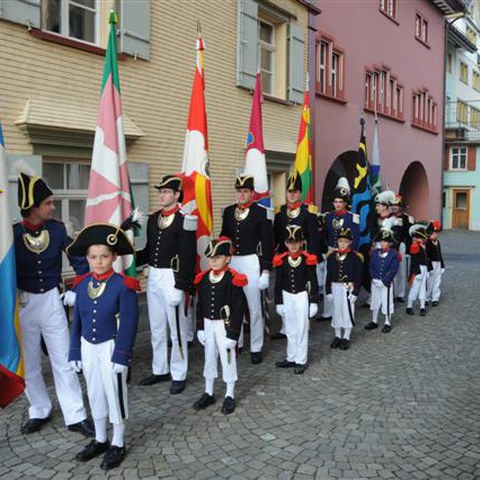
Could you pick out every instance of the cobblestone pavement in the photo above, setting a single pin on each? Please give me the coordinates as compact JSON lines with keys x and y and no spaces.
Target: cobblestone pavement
{"x":403,"y":405}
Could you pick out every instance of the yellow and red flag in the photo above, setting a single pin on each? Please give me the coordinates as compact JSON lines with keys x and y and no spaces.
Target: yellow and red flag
{"x":197,"y":193}
{"x":303,"y":157}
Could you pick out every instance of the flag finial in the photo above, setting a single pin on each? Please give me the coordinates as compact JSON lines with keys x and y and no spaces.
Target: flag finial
{"x":113,"y":17}
{"x":199,"y":28}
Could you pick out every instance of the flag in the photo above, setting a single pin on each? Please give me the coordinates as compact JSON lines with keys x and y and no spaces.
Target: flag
{"x":255,"y":163}
{"x":197,"y":193}
{"x":303,"y":157}
{"x":109,"y":198}
{"x":362,"y":192}
{"x":375,"y":172}
{"x":12,"y":377}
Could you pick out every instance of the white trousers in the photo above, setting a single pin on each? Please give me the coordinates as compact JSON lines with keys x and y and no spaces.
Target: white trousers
{"x":382,"y":297}
{"x":215,"y":336}
{"x":434,"y":280}
{"x":418,"y":288}
{"x":400,"y":279}
{"x":341,"y":315}
{"x":296,"y":326}
{"x":321,"y":273}
{"x":250,"y":266}
{"x":107,"y":391}
{"x":43,"y":315}
{"x":162,"y":316}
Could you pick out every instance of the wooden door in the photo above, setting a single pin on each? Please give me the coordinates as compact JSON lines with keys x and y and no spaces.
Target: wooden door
{"x":461,"y":208}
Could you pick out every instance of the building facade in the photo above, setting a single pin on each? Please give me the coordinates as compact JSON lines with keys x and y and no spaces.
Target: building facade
{"x":392,"y":65}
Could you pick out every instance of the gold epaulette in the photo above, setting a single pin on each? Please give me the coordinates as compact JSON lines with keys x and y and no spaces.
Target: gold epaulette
{"x":360,"y":256}
{"x":312,"y":208}
{"x":277,"y":209}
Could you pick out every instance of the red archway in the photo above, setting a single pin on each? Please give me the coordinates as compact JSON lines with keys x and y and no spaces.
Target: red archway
{"x":414,"y":190}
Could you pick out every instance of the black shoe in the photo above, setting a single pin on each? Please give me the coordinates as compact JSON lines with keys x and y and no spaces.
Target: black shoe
{"x":84,"y":427}
{"x":336,"y":343}
{"x":285,"y":364}
{"x":366,"y":305}
{"x":387,"y":328}
{"x":114,"y":457}
{"x":345,"y":345}
{"x":435,"y":303}
{"x":400,"y":300}
{"x":427,"y":303}
{"x":324,"y":319}
{"x":278,"y":336}
{"x":178,"y":386}
{"x":204,"y":401}
{"x":300,"y":368}
{"x":256,"y":358}
{"x":410,"y":311}
{"x":371,"y":326}
{"x":153,"y":379}
{"x":34,"y":425}
{"x":93,"y":449}
{"x":423,"y":312}
{"x":228,"y":406}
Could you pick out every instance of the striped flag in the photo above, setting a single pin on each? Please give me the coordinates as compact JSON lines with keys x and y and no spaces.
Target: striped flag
{"x":12,"y":377}
{"x":375,"y":172}
{"x":303,"y":157}
{"x":255,"y":163}
{"x":109,"y":198}
{"x":197,"y":192}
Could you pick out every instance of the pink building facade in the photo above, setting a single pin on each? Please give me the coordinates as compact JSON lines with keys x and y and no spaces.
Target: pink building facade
{"x":386,"y":56}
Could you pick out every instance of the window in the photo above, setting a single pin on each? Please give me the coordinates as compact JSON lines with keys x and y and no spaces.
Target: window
{"x":462,"y":112}
{"x":464,"y":72}
{"x":474,"y":117}
{"x":476,"y":80}
{"x":458,"y":158}
{"x":329,"y":68}
{"x":421,"y":28}
{"x":389,"y":8}
{"x":425,"y":111}
{"x":471,"y":35}
{"x":266,"y":46}
{"x":383,"y":93}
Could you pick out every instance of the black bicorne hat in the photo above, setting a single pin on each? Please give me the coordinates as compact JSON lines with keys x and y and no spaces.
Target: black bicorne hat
{"x":385,"y":236}
{"x":345,"y":233}
{"x":101,"y":234}
{"x":245,"y":181}
{"x":31,"y":191}
{"x":294,"y":182}
{"x":294,"y":233}
{"x":174,"y":182}
{"x":219,"y":246}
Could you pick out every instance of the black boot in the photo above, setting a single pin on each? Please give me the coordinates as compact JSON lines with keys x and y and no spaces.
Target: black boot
{"x":153,"y":379}
{"x":178,"y":386}
{"x":204,"y":401}
{"x":93,"y":449}
{"x":371,"y":326}
{"x":228,"y":406}
{"x":300,"y":368}
{"x":336,"y":343}
{"x":285,"y":364}
{"x":84,"y":427}
{"x":114,"y":457}
{"x":345,"y":345}
{"x":423,"y":312}
{"x":410,"y":311}
{"x":386,"y":329}
{"x":34,"y":425}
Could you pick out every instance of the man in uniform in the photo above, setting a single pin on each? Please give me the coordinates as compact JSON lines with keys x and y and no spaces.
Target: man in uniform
{"x":39,"y":243}
{"x":247,"y":225}
{"x":171,"y":254}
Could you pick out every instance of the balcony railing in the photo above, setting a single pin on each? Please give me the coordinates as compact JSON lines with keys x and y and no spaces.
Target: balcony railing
{"x":462,"y":121}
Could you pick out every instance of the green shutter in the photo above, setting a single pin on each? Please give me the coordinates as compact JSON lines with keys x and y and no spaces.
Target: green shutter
{"x":25,"y":12}
{"x":134,"y":28}
{"x":247,"y":42}
{"x":296,"y":64}
{"x":139,"y":182}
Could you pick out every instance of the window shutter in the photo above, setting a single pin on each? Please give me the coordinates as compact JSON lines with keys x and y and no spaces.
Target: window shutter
{"x":25,"y":12}
{"x":35,"y":163}
{"x":296,"y":64}
{"x":247,"y":43}
{"x":471,"y":158}
{"x":446,"y":164}
{"x":135,"y":28}
{"x":139,"y":182}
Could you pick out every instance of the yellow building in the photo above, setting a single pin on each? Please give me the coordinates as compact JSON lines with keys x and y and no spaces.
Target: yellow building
{"x":51,"y":62}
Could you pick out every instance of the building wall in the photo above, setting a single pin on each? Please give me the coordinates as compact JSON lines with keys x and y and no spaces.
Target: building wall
{"x":156,"y":93}
{"x":381,"y":41}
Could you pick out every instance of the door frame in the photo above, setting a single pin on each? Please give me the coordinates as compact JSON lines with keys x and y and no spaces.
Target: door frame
{"x":466,"y":190}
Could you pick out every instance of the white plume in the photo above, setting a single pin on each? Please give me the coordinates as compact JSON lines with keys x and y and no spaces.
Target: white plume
{"x":21,"y":166}
{"x":343,"y":183}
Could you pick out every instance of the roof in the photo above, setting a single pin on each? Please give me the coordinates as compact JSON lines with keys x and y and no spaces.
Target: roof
{"x":450,"y":6}
{"x":459,"y":39}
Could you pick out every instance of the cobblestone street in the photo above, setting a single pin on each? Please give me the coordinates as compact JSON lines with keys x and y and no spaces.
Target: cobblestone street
{"x":399,"y":405}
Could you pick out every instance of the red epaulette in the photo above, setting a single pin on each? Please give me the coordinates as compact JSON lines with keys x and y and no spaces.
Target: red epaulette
{"x":310,"y":259}
{"x":414,"y":248}
{"x":278,"y":259}
{"x":238,"y":279}
{"x":131,"y":283}
{"x":79,"y":278}
{"x":400,"y":257}
{"x":199,"y":276}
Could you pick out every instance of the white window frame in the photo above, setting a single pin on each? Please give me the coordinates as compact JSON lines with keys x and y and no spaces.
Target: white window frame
{"x":335,"y":72}
{"x":271,"y":47}
{"x":322,"y":67}
{"x":458,"y":155}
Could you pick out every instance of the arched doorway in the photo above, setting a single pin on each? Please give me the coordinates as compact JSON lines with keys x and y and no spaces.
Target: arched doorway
{"x":414,"y":190}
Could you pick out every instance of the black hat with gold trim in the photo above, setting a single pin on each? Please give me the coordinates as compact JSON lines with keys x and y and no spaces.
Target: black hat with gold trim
{"x":101,"y":234}
{"x":32,"y":190}
{"x":294,"y":233}
{"x":345,"y":233}
{"x":174,"y":182}
{"x":384,"y":236}
{"x":342,"y":190}
{"x":245,"y":181}
{"x":294,"y":182}
{"x":418,"y":231}
{"x":219,"y":246}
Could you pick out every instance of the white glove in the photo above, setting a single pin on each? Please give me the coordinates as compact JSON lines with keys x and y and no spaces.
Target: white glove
{"x":263,"y":281}
{"x":378,"y":282}
{"x":329,"y":297}
{"x":76,"y":365}
{"x":442,"y":271}
{"x":68,"y":298}
{"x":201,"y":336}
{"x":117,"y":368}
{"x":280,"y":310}
{"x":175,"y":298}
{"x":352,"y":298}
{"x":313,"y":310}
{"x":230,"y":343}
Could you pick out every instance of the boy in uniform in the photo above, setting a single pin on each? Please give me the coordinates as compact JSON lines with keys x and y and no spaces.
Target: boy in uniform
{"x":220,"y":306}
{"x":435,"y":256}
{"x":103,"y":334}
{"x":296,"y":296}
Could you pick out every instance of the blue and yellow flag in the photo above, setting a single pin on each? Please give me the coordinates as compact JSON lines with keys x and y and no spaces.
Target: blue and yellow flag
{"x":12,"y":377}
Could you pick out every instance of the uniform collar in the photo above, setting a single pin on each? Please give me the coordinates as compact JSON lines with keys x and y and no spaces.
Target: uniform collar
{"x":341,"y":252}
{"x":295,"y":255}
{"x":103,"y":276}
{"x":340,"y":212}
{"x":166,"y":213}
{"x":218,"y":272}
{"x":31,"y":226}
{"x":244,"y":207}
{"x":295,"y":205}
